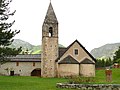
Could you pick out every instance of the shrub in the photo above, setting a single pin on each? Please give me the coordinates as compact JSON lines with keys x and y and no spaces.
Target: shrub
{"x":79,"y":79}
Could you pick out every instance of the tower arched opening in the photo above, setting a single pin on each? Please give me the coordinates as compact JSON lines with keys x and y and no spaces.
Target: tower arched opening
{"x":50,"y":32}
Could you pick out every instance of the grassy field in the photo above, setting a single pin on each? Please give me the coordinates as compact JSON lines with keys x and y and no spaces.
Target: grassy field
{"x":29,"y":83}
{"x":100,"y":76}
{"x":36,"y":83}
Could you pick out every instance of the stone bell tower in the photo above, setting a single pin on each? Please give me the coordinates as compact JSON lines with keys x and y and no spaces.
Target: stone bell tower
{"x":49,"y":44}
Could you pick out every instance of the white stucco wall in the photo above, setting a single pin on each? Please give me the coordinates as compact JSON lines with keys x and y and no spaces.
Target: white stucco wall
{"x":87,"y":70}
{"x":24,"y":68}
{"x":68,"y":69}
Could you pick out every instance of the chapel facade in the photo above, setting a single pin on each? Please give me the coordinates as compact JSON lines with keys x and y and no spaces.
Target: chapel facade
{"x":54,"y":61}
{"x":73,"y":60}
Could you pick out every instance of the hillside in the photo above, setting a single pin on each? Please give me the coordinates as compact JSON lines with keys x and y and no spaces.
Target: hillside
{"x":105,"y":51}
{"x":20,"y":43}
{"x":25,"y":46}
{"x":32,"y":49}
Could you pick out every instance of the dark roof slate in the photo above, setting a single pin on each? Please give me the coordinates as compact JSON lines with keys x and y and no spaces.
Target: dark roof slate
{"x":50,"y":15}
{"x":87,"y":61}
{"x":26,"y":58}
{"x":61,"y":51}
{"x":68,"y":60}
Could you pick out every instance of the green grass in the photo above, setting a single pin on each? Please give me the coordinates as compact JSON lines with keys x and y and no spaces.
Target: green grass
{"x":36,"y":52}
{"x":101,"y":78}
{"x":29,"y":83}
{"x":36,"y":83}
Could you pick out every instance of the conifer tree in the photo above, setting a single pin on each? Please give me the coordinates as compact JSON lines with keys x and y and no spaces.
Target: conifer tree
{"x":116,"y":57}
{"x":6,"y":34}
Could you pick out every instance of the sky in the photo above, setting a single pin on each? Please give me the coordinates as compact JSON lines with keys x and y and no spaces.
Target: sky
{"x":92,"y":22}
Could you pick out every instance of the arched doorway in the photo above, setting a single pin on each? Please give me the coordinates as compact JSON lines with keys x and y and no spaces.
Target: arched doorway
{"x":36,"y":72}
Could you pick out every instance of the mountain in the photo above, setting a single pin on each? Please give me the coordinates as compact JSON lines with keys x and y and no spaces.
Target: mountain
{"x":27,"y":47}
{"x":20,"y":43}
{"x":105,"y":51}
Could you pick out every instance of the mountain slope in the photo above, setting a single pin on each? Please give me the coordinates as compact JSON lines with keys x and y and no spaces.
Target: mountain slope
{"x":20,"y":43}
{"x":105,"y":51}
{"x":31,"y":49}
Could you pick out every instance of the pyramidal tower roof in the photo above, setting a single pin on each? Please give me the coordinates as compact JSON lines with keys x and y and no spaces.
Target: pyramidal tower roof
{"x":50,"y":15}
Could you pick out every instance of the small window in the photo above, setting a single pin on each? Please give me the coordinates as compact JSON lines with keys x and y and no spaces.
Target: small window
{"x":17,"y":63}
{"x":76,"y":51}
{"x":50,"y":32}
{"x":33,"y":63}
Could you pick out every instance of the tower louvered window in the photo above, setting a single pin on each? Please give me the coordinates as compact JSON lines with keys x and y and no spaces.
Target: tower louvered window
{"x":50,"y":32}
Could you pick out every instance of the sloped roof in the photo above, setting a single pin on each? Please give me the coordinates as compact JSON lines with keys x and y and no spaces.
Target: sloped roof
{"x":26,"y":58}
{"x":37,"y":57}
{"x":61,"y":51}
{"x":68,"y":60}
{"x":50,"y":15}
{"x":86,"y":61}
{"x":32,"y":57}
{"x":80,"y":46}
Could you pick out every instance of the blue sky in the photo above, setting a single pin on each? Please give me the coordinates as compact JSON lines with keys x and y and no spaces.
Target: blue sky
{"x":93,"y":22}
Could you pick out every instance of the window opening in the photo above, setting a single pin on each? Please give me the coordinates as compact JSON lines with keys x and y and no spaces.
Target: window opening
{"x":33,"y":63}
{"x":17,"y":63}
{"x":50,"y":32}
{"x":76,"y":51}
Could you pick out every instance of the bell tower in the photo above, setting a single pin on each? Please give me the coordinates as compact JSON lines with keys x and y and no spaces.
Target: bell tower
{"x":49,"y":44}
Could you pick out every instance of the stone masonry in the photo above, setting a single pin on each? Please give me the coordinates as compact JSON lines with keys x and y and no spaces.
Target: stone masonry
{"x":49,"y":44}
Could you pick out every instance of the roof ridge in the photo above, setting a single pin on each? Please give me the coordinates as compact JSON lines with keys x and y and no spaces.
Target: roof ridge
{"x":80,"y":46}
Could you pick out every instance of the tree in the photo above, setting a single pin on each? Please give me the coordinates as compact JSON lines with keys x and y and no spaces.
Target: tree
{"x":116,"y":57}
{"x":104,"y":63}
{"x":108,"y":62}
{"x":6,"y":34}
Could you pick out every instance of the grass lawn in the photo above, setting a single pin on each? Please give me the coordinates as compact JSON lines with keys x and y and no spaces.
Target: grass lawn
{"x":29,"y":83}
{"x":36,"y":83}
{"x":100,"y":76}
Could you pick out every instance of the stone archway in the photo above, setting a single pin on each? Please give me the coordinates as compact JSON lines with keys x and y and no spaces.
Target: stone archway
{"x":36,"y":72}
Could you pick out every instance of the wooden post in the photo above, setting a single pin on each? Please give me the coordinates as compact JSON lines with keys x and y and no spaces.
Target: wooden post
{"x":108,"y":73}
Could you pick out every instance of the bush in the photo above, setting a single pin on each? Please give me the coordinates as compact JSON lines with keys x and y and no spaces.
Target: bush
{"x":79,"y":79}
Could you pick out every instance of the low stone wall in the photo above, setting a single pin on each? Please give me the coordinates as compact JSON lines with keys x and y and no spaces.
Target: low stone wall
{"x":90,"y":86}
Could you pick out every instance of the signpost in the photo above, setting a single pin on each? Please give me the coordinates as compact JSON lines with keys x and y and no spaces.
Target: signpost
{"x":108,"y":73}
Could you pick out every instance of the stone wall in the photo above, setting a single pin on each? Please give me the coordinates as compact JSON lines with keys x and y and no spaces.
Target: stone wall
{"x":87,"y":70}
{"x":23,"y":69}
{"x":68,"y":70}
{"x":90,"y":86}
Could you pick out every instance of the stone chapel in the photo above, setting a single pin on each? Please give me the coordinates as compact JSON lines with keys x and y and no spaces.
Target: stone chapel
{"x":54,"y":61}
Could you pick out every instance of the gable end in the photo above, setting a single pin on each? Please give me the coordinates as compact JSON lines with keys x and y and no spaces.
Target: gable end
{"x":68,"y":60}
{"x":87,"y":61}
{"x":80,"y":46}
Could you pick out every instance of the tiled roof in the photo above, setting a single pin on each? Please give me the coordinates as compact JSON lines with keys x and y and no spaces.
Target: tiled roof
{"x":61,"y":51}
{"x":87,"y":61}
{"x":68,"y":60}
{"x":30,"y":56}
{"x":26,"y":58}
{"x":33,"y":57}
